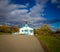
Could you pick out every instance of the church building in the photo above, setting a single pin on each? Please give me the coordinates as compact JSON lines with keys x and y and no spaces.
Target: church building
{"x":26,"y":30}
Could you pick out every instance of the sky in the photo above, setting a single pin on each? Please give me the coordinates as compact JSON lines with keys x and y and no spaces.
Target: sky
{"x":35,"y":12}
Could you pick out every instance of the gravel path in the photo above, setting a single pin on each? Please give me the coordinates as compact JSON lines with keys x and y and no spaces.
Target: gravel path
{"x":19,"y":43}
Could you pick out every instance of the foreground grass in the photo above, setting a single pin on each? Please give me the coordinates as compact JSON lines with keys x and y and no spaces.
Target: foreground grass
{"x":52,"y":43}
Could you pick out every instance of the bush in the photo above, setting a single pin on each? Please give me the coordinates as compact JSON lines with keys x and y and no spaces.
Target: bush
{"x":44,"y":30}
{"x":8,"y":29}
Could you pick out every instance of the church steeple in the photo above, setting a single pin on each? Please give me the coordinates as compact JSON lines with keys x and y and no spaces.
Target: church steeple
{"x":26,"y":24}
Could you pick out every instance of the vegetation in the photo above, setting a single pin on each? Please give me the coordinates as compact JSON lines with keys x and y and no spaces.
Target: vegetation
{"x":8,"y":29}
{"x":44,"y":30}
{"x":49,"y":39}
{"x":51,"y":42}
{"x":58,"y":31}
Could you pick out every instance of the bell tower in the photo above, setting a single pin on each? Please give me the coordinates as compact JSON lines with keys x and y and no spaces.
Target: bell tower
{"x":26,"y":24}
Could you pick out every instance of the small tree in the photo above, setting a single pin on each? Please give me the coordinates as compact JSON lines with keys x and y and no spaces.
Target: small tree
{"x":45,"y":30}
{"x":36,"y":31}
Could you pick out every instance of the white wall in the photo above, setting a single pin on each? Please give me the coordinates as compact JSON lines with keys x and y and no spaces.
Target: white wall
{"x":29,"y":33}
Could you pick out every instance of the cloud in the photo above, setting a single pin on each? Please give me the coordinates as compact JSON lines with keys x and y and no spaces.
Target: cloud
{"x":37,"y":10}
{"x":24,"y":6}
{"x":19,"y":11}
{"x":3,"y":11}
{"x":13,"y":15}
{"x":54,"y":1}
{"x":23,"y":15}
{"x":31,"y":17}
{"x":6,"y":9}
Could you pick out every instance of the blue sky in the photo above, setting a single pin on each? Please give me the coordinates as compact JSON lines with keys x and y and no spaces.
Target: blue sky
{"x":35,"y":12}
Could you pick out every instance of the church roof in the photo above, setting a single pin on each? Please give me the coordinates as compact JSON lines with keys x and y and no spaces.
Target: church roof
{"x":27,"y":27}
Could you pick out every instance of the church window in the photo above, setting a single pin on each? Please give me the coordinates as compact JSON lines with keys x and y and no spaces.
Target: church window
{"x":26,"y":30}
{"x":22,"y":30}
{"x":31,"y":31}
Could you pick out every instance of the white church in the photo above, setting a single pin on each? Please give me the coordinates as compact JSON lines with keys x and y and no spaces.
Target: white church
{"x":26,"y":30}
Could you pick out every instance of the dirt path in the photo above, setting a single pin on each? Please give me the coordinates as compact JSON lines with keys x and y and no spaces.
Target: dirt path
{"x":19,"y":43}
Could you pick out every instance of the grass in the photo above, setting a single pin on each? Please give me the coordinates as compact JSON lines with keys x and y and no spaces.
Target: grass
{"x":51,"y":42}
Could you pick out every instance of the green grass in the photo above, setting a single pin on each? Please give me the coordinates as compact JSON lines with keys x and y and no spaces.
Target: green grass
{"x":52,"y":43}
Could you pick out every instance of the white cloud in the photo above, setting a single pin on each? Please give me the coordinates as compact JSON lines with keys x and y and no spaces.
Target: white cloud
{"x":55,"y":1}
{"x":24,"y":6}
{"x":19,"y":11}
{"x":37,"y":10}
{"x":24,"y":16}
{"x":13,"y":14}
{"x":32,"y":17}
